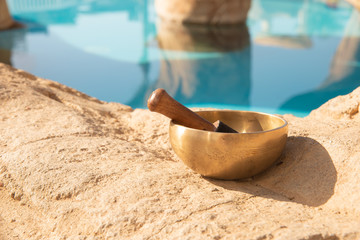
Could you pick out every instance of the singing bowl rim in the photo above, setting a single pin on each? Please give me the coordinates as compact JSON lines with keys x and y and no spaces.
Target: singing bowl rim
{"x":285,"y":123}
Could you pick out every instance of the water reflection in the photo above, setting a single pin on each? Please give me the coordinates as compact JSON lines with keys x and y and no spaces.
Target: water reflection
{"x":11,"y":40}
{"x":67,"y":11}
{"x":197,"y":65}
{"x":14,"y":39}
{"x":344,"y":73}
{"x":223,"y":78}
{"x":297,"y":18}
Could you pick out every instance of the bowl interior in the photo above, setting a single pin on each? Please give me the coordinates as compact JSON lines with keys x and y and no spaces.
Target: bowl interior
{"x":244,"y":121}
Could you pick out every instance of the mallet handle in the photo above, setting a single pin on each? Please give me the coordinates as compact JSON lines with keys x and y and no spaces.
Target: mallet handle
{"x":161,"y":102}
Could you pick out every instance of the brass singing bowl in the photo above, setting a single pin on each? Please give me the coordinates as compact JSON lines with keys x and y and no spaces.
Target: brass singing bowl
{"x":259,"y":143}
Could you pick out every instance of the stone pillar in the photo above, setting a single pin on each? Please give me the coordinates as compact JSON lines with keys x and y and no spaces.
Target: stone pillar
{"x":6,"y":20}
{"x":200,"y":38}
{"x":213,"y":12}
{"x":191,"y":74}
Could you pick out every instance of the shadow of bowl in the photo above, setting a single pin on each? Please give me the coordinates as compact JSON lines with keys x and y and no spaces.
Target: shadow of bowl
{"x":304,"y":174}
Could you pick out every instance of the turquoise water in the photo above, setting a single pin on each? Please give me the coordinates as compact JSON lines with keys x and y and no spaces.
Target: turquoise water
{"x":290,"y":57}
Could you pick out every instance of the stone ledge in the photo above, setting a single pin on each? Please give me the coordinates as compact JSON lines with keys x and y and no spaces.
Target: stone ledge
{"x":73,"y":166}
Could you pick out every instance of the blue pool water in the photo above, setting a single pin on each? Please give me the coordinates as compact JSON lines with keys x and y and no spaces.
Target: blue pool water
{"x":290,"y":57}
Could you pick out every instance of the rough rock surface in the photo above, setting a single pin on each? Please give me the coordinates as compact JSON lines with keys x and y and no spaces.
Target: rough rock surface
{"x":73,"y":167}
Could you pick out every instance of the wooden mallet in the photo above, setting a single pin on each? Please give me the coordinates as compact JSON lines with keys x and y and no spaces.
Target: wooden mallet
{"x":161,"y":102}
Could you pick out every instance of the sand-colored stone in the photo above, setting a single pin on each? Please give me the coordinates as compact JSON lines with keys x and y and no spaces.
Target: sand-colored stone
{"x":74,"y":167}
{"x":202,"y":38}
{"x":212,"y":12}
{"x":6,"y":20}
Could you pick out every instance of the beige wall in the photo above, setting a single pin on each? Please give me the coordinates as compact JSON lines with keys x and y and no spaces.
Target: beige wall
{"x":5,"y":19}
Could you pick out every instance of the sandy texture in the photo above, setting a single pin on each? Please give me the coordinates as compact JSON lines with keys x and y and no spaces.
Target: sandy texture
{"x":73,"y":167}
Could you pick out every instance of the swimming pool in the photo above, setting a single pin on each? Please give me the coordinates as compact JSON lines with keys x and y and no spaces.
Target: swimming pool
{"x":290,"y":57}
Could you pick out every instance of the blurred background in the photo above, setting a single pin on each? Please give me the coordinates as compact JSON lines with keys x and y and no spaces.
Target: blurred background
{"x":287,"y":57}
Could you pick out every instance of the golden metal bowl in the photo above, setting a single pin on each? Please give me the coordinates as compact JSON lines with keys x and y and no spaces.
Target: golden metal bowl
{"x":259,"y":143}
